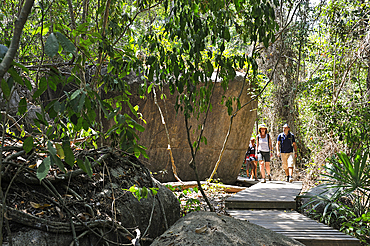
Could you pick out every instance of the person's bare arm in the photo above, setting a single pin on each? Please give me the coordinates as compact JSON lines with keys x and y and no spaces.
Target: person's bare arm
{"x":270,"y":145}
{"x":295,"y":149}
{"x":277,"y":148}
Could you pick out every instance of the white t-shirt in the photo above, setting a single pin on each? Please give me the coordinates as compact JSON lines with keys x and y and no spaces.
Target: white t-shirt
{"x":263,"y":144}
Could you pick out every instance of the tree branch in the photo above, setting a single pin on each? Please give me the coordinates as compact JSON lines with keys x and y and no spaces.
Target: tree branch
{"x":19,"y":24}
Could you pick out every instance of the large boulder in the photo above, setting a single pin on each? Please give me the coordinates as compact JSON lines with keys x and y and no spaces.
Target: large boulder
{"x":207,"y":228}
{"x":130,"y":212}
{"x":215,"y":130}
{"x":97,"y":201}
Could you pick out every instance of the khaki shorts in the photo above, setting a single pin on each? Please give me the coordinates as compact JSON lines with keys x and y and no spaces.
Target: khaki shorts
{"x":288,"y":160}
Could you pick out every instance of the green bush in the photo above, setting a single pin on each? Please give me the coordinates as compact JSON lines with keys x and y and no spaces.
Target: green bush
{"x":348,"y":208}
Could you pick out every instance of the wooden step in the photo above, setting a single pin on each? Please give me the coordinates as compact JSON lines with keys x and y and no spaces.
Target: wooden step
{"x":297,"y":226}
{"x":270,"y":195}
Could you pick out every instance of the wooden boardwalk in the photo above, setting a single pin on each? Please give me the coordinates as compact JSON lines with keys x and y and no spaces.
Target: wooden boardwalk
{"x":270,"y":195}
{"x":272,"y":205}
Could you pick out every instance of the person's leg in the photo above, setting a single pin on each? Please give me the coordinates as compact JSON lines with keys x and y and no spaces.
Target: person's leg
{"x":262,"y":169}
{"x":260,"y":161}
{"x":284,"y":159}
{"x":290,"y":166}
{"x":254,"y":169}
{"x":268,"y":169}
{"x":247,"y":166}
{"x":251,"y":167}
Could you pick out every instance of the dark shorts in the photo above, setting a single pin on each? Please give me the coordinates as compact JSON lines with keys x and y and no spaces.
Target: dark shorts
{"x":252,"y":159}
{"x":264,"y":156}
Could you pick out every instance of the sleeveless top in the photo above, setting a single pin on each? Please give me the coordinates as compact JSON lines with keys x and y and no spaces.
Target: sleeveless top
{"x":263,"y":144}
{"x":251,"y":151}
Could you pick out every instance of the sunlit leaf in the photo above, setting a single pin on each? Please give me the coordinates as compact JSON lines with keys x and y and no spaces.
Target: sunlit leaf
{"x":53,"y":153}
{"x":28,"y":144}
{"x":43,"y":169}
{"x":51,"y":45}
{"x":68,"y":153}
{"x":67,"y":45}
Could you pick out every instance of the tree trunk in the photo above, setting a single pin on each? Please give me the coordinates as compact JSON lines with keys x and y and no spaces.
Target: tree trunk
{"x":368,"y":81}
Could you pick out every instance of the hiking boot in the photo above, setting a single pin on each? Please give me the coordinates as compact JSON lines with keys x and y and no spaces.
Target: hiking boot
{"x":256,"y":179}
{"x":263,"y":181}
{"x":290,"y":179}
{"x":287,"y":178}
{"x":269,"y":177}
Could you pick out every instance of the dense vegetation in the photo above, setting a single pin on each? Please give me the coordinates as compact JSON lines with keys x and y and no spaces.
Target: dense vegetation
{"x":309,"y":65}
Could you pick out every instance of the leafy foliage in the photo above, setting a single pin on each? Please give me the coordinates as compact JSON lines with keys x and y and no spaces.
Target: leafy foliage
{"x":143,"y":192}
{"x":348,"y":206}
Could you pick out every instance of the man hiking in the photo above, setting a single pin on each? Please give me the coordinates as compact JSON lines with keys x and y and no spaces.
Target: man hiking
{"x":285,"y":145}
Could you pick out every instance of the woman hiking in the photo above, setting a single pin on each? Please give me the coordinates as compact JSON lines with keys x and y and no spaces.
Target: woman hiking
{"x":264,"y":152}
{"x":250,"y":159}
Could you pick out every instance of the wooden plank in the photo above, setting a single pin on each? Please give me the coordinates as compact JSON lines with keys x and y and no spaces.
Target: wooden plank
{"x":297,"y":226}
{"x":315,"y":234}
{"x":260,"y":205}
{"x":270,"y":195}
{"x":324,"y":242}
{"x":272,"y":204}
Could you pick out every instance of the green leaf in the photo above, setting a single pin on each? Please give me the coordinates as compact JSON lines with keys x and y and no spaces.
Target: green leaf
{"x":100,"y":10}
{"x":51,"y":82}
{"x":43,"y":169}
{"x":15,"y":76}
{"x":81,"y":102}
{"x":42,"y":87}
{"x":88,"y":167}
{"x":209,"y":68}
{"x":82,"y":27}
{"x":226,"y":34}
{"x":28,"y":84}
{"x":51,"y":45}
{"x":5,"y":88}
{"x":150,"y":87}
{"x":81,"y":165}
{"x":154,"y":191}
{"x":10,"y":82}
{"x":22,"y":106}
{"x":151,"y":73}
{"x":60,"y":151}
{"x":75,"y":94}
{"x":20,"y":66}
{"x":139,"y":127}
{"x":28,"y":144}
{"x":57,"y":107}
{"x":53,"y":153}
{"x":144,"y":192}
{"x":67,"y":45}
{"x":68,"y":153}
